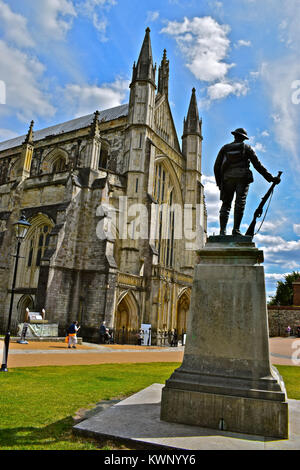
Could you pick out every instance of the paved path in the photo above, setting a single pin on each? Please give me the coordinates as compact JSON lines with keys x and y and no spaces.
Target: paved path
{"x":57,"y":354}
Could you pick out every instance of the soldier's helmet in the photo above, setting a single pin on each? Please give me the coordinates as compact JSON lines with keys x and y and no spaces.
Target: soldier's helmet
{"x":241,"y":132}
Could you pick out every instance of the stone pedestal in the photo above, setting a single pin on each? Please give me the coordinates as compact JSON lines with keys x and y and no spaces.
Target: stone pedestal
{"x":226,"y":380}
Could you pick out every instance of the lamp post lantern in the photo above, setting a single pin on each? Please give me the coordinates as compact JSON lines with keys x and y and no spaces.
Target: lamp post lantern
{"x":21,"y":229}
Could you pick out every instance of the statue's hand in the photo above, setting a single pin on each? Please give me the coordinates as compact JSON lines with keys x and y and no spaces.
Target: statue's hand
{"x":276,"y":179}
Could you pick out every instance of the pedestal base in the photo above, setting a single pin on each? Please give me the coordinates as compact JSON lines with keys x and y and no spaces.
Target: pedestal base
{"x":226,"y":380}
{"x":227,"y":413}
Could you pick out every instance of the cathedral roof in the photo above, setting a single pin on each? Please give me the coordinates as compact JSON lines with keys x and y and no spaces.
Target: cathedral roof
{"x":69,"y":126}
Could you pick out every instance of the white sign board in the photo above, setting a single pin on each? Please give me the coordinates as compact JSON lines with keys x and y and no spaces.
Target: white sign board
{"x":146,"y":340}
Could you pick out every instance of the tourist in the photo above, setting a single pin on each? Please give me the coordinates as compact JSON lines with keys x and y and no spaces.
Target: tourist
{"x":102,"y":333}
{"x":72,"y":334}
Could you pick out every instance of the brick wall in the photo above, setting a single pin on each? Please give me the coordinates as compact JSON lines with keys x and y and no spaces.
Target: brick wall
{"x":296,"y":288}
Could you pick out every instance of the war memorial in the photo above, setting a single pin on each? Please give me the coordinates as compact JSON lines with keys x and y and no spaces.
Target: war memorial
{"x":226,"y":381}
{"x":226,"y":386}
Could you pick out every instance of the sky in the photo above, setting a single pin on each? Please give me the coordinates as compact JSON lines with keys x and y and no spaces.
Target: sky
{"x":61,"y":59}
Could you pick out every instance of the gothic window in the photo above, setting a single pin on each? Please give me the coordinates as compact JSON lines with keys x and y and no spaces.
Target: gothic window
{"x":171,"y":231}
{"x":104,"y":154}
{"x":163,"y":192}
{"x":33,"y":249}
{"x":54,"y":162}
{"x":38,"y":244}
{"x":59,"y":165}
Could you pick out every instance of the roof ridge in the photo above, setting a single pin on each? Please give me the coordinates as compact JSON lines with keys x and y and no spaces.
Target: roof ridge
{"x":42,"y":133}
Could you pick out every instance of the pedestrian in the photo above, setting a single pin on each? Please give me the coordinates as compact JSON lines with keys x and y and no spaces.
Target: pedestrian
{"x":107,"y":336}
{"x":140,"y":337}
{"x":72,"y":335}
{"x":102,"y":332}
{"x":174,"y":340}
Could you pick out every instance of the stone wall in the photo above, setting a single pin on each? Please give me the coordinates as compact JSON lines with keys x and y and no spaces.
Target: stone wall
{"x":282,"y":317}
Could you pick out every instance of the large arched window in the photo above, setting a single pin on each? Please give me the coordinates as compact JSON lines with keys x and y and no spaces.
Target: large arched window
{"x":33,"y":250}
{"x":104,"y":156}
{"x":54,"y":162}
{"x":165,"y":197}
{"x":59,"y":165}
{"x":38,"y":244}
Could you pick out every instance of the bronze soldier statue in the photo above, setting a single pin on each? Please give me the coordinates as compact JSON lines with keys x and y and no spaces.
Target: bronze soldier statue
{"x":233,"y":176}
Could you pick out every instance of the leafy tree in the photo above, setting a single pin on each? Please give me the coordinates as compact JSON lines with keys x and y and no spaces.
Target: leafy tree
{"x":284,"y":292}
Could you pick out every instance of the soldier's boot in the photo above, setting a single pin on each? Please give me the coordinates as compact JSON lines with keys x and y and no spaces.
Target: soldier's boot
{"x":223,"y":223}
{"x":236,"y":223}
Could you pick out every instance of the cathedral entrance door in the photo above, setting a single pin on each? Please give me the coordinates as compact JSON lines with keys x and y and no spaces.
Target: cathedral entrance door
{"x":25,"y":302}
{"x":126,"y":321}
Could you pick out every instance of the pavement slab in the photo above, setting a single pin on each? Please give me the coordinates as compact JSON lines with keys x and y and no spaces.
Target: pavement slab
{"x":137,"y":419}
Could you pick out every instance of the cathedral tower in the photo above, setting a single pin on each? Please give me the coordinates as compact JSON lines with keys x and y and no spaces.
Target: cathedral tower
{"x":194,"y":191}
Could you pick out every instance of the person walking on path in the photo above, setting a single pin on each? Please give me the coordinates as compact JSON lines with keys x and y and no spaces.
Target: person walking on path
{"x":72,"y":335}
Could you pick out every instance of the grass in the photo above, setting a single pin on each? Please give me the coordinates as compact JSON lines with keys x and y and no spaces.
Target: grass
{"x":291,"y":377}
{"x":37,"y":405}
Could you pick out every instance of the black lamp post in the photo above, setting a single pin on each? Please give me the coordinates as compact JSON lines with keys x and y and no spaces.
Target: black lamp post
{"x":21,"y":229}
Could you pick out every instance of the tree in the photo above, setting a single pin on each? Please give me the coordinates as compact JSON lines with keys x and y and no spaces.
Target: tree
{"x":284,"y":292}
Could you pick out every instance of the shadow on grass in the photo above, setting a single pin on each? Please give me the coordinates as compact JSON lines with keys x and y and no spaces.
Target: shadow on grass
{"x":58,"y":436}
{"x":32,"y":437}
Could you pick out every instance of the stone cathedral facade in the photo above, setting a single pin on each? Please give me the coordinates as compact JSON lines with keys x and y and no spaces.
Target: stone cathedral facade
{"x":114,"y":202}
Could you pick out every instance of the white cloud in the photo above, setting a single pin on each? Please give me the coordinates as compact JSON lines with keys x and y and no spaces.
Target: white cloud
{"x":6,"y":134}
{"x":52,"y":18}
{"x":274,"y":227}
{"x":289,"y":26}
{"x":278,"y":77}
{"x":205,"y":45}
{"x":259,"y":147}
{"x":14,"y":26}
{"x":23,"y":76}
{"x":296,"y":228}
{"x":212,"y":198}
{"x":275,"y":276}
{"x":243,"y":43}
{"x":223,"y":89}
{"x":276,"y":244}
{"x":95,"y":11}
{"x":85,"y":99}
{"x":152,"y":16}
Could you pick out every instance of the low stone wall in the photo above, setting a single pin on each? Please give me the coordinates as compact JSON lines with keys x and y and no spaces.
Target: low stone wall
{"x":36,"y":330}
{"x":282,"y":317}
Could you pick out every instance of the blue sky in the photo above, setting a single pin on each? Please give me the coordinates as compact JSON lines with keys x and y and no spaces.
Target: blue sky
{"x":64,"y":58}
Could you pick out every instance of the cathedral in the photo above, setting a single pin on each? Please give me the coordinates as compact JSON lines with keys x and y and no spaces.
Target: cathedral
{"x":117,"y":213}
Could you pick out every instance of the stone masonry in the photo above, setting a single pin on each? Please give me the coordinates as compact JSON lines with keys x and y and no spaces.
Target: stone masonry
{"x":74,"y":182}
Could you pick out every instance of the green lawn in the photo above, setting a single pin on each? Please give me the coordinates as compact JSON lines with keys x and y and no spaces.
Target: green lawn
{"x":291,"y":377}
{"x":37,"y":405}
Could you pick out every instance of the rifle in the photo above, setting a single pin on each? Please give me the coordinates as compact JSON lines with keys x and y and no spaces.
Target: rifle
{"x":259,"y":210}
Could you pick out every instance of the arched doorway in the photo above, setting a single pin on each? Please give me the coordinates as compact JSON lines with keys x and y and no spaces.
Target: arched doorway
{"x":122,"y":317}
{"x":127,"y":319}
{"x":25,"y":302}
{"x":183,"y":306}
